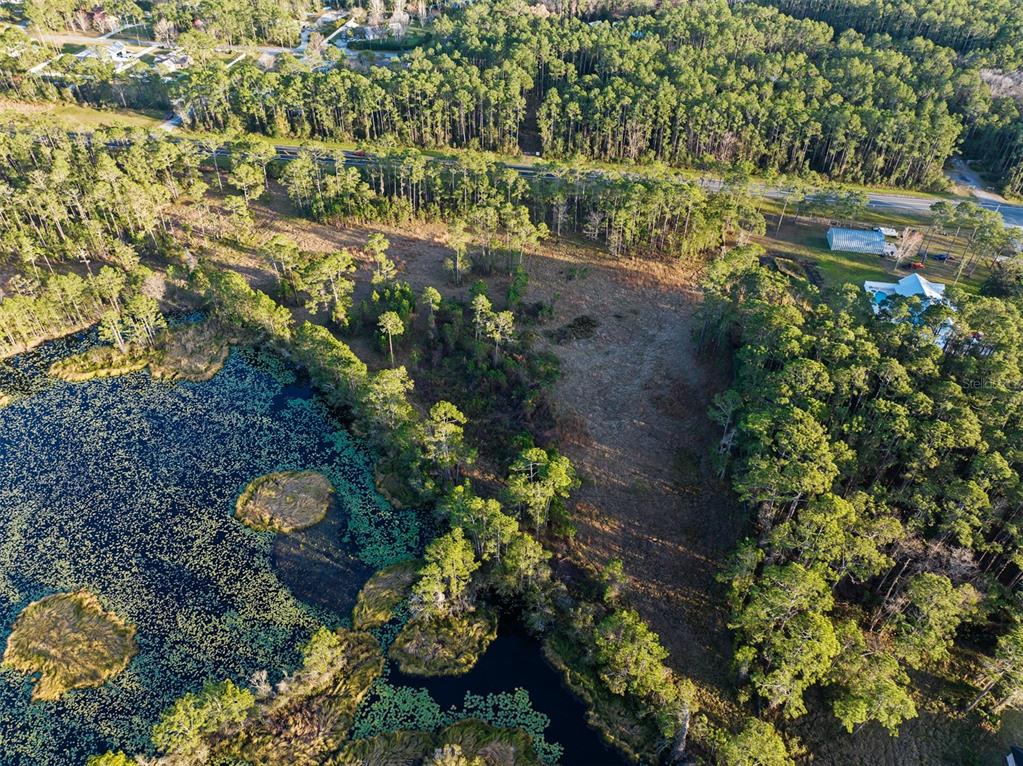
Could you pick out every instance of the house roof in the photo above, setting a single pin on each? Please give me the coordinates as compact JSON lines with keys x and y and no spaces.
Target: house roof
{"x":908,"y":286}
{"x":915,"y":284}
{"x":856,"y":240}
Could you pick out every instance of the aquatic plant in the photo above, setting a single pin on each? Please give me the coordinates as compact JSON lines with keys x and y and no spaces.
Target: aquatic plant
{"x":390,"y":709}
{"x":126,"y":487}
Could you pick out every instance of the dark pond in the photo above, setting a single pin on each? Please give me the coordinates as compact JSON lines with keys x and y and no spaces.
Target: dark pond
{"x":515,"y":660}
{"x":126,"y":487}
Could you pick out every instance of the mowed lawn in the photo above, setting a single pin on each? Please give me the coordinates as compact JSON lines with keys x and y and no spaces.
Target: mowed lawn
{"x":72,"y":116}
{"x":807,"y":242}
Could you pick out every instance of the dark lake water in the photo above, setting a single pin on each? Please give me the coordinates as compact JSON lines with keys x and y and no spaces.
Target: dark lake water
{"x":126,"y":487}
{"x":515,"y":660}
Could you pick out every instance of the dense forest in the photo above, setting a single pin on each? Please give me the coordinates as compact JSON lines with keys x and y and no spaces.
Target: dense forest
{"x":778,"y":93}
{"x":276,"y":21}
{"x":988,"y":32}
{"x":704,"y":84}
{"x":273,"y":21}
{"x":997,"y":141}
{"x":881,"y":460}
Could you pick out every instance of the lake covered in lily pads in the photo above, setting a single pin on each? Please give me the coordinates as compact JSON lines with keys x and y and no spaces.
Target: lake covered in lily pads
{"x":126,"y":488}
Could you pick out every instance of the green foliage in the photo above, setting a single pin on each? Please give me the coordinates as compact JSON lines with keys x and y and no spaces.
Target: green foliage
{"x":630,"y":654}
{"x":390,"y":324}
{"x":1003,"y":672}
{"x":183,"y":728}
{"x":443,"y":580}
{"x":757,"y":744}
{"x":246,"y":307}
{"x":513,"y":711}
{"x":873,"y":686}
{"x":324,"y":279}
{"x":110,"y":759}
{"x":777,"y":100}
{"x":393,"y":708}
{"x":538,"y":482}
{"x":784,"y":622}
{"x":925,"y":626}
{"x":880,"y":463}
{"x":444,"y":443}
{"x":490,"y":530}
{"x":335,"y":370}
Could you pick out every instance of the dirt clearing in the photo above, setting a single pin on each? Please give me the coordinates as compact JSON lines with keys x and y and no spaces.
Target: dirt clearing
{"x":631,"y":408}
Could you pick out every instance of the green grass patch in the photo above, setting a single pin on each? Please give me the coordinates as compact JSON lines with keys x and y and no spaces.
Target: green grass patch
{"x":806,"y":246}
{"x":382,"y":594}
{"x":75,"y":117}
{"x":285,"y":501}
{"x":71,"y":642}
{"x":443,"y":646}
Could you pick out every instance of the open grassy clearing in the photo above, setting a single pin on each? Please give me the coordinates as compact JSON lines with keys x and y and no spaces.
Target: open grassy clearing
{"x":805,"y":244}
{"x":74,"y":117}
{"x":70,"y":641}
{"x":285,"y":501}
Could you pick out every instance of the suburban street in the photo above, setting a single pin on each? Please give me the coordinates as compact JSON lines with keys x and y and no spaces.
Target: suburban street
{"x":69,"y":38}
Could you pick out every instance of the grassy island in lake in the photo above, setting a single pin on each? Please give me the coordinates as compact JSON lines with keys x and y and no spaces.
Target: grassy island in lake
{"x":443,"y":645}
{"x":285,"y":501}
{"x":71,"y":641}
{"x":382,"y":594}
{"x":192,"y":351}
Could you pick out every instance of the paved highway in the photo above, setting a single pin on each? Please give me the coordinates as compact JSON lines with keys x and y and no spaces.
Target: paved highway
{"x":885,"y":201}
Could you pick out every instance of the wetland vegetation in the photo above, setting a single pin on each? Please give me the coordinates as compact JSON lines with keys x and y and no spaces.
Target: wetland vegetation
{"x":151,"y":532}
{"x":70,"y":641}
{"x":416,"y":454}
{"x":285,"y":501}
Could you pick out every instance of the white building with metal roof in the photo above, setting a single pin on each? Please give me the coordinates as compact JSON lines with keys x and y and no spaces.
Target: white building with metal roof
{"x":856,"y":241}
